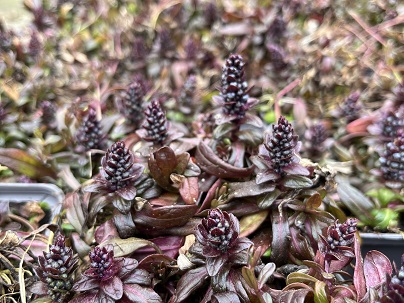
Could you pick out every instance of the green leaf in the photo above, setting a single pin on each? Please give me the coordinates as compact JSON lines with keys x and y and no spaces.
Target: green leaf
{"x":250,"y":223}
{"x":383,"y":195}
{"x":266,"y":200}
{"x":124,"y":247}
{"x":250,"y":278}
{"x":295,"y":181}
{"x":320,"y":293}
{"x":354,"y":200}
{"x":296,"y":277}
{"x":23,"y":163}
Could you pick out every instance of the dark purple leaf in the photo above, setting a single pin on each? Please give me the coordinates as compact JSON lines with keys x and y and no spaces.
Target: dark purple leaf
{"x":80,"y":246}
{"x":124,"y":225}
{"x":281,"y":237}
{"x":268,"y":175}
{"x":138,"y":276}
{"x":85,"y":283}
{"x":128,"y":266}
{"x":169,"y":245}
{"x":359,"y":276}
{"x":148,"y":262}
{"x":376,"y":268}
{"x":106,"y":231}
{"x":189,"y":283}
{"x":39,"y":288}
{"x":138,"y":294}
{"x":162,"y":164}
{"x":89,"y":297}
{"x":215,"y":264}
{"x":248,"y":189}
{"x":127,"y":193}
{"x":208,"y":161}
{"x":113,"y":288}
{"x":164,"y":217}
{"x":225,"y":297}
{"x":25,"y":164}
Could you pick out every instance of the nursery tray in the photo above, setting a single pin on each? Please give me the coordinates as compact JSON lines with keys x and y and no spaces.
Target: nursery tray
{"x":43,"y":192}
{"x":390,"y":244}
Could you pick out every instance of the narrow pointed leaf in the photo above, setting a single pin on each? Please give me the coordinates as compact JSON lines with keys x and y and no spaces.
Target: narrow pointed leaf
{"x":23,"y":163}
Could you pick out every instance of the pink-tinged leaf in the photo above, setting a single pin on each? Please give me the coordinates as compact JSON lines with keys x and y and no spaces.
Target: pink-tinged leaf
{"x":128,"y":266}
{"x":23,"y":163}
{"x":265,"y":176}
{"x":106,"y":231}
{"x":138,"y":294}
{"x":113,"y":288}
{"x":39,"y":288}
{"x":299,"y":112}
{"x":85,"y":298}
{"x":293,"y":296}
{"x":376,"y":268}
{"x":250,"y":223}
{"x":225,"y":297}
{"x":265,"y":274}
{"x":296,"y":169}
{"x":360,"y":125}
{"x":85,"y":284}
{"x":236,"y":29}
{"x":215,"y":264}
{"x":189,"y":190}
{"x":189,"y":283}
{"x":359,"y":276}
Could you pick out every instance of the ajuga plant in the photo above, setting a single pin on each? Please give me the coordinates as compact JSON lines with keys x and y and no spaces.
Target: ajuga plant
{"x":118,"y":175}
{"x":132,"y":101}
{"x":392,"y":162}
{"x":351,"y":107}
{"x":316,"y":141}
{"x":89,"y":134}
{"x":155,"y":126}
{"x":48,"y":113}
{"x":230,"y":212}
{"x":279,"y":154}
{"x":111,"y":279}
{"x":56,"y":272}
{"x":216,"y":259}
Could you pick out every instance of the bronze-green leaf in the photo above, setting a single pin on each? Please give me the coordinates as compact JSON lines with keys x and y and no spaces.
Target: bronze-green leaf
{"x":23,"y":163}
